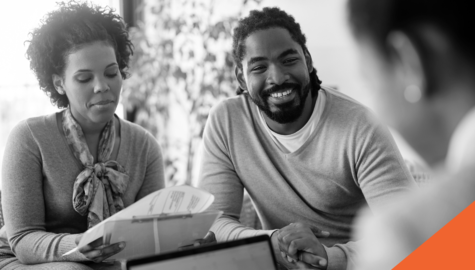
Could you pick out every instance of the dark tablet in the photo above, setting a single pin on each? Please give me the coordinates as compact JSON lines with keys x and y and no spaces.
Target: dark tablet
{"x":250,"y":253}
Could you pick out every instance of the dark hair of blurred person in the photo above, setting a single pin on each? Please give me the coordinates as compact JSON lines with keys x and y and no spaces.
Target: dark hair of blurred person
{"x":419,"y":57}
{"x":66,"y":172}
{"x":421,"y":51}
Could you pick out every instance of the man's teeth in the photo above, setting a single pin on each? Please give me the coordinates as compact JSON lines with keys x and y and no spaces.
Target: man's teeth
{"x":282,"y":94}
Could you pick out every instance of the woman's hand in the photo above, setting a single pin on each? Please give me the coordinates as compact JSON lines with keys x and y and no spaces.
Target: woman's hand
{"x":209,"y":239}
{"x":97,"y":252}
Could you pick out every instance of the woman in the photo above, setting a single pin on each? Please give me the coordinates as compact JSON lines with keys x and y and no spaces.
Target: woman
{"x":66,"y":172}
{"x":419,"y":55}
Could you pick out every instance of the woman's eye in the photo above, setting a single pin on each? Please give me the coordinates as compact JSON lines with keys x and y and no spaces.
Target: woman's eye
{"x":83,"y":79}
{"x":111,"y":75}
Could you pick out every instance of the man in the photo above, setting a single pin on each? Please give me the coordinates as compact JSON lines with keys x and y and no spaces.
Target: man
{"x":309,"y":157}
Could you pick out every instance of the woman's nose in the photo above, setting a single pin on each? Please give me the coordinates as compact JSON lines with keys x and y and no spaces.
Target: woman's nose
{"x":101,"y":86}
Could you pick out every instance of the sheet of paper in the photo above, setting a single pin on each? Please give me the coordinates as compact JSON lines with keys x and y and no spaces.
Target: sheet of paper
{"x":168,"y":201}
{"x":149,"y":236}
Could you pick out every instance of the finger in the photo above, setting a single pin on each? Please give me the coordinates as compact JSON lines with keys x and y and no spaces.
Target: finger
{"x":302,"y":265}
{"x":78,"y":238}
{"x":188,"y":246}
{"x":319,"y":233}
{"x":208,"y":239}
{"x":284,"y":256}
{"x":93,"y":245}
{"x":210,"y":236}
{"x":103,"y":253}
{"x":303,"y":245}
{"x":92,"y":254}
{"x":89,"y":248}
{"x":112,"y":249}
{"x":288,"y":239}
{"x":313,"y":259}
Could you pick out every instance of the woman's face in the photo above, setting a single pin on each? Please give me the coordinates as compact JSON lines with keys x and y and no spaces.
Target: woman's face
{"x":92,"y":82}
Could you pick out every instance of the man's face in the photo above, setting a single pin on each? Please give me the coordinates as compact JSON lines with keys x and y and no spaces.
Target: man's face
{"x":275,"y":71}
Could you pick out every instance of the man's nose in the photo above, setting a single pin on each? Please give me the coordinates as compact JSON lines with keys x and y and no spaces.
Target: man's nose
{"x":276,"y":75}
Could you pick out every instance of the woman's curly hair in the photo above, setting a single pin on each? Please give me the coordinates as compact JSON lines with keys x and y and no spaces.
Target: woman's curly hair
{"x":66,"y":29}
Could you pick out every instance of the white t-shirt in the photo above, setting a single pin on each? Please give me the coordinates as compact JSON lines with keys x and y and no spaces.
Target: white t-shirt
{"x":292,"y":142}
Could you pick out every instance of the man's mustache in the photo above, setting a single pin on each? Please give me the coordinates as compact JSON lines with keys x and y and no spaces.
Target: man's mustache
{"x":280,"y":87}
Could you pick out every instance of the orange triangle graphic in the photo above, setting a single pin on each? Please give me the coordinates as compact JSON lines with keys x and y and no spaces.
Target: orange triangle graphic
{"x":452,"y":247}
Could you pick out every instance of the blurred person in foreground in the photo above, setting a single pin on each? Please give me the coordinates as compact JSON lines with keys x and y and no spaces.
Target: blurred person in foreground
{"x":66,"y":172}
{"x":420,"y":57}
{"x":308,"y":156}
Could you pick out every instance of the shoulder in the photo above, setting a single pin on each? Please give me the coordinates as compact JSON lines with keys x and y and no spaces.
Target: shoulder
{"x":136,"y":135}
{"x":229,"y":106}
{"x":233,"y":110}
{"x":134,"y":129}
{"x":237,"y":111}
{"x":342,"y":104}
{"x":40,"y":126}
{"x":349,"y":112}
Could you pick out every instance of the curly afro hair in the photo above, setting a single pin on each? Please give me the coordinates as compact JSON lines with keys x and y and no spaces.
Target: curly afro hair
{"x":68,"y":28}
{"x":262,"y":20}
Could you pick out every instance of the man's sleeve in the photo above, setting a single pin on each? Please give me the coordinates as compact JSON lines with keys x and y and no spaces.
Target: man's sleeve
{"x":381,"y":171}
{"x":383,"y":178}
{"x":218,"y":176}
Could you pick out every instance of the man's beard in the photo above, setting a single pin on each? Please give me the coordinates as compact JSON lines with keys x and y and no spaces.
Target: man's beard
{"x":287,"y":112}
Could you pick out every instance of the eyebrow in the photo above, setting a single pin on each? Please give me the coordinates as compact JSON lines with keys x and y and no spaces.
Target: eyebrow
{"x":88,"y":70}
{"x":282,"y":55}
{"x":256,"y":59}
{"x":288,"y":52}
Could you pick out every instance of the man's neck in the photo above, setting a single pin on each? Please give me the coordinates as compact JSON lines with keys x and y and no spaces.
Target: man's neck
{"x":290,"y":128}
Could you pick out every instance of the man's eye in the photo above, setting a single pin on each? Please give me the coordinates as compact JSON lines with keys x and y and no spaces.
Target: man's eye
{"x":290,"y":60}
{"x":258,"y":68}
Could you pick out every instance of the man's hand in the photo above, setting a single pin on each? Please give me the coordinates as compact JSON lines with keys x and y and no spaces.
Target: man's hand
{"x":97,"y":252}
{"x":300,"y":247}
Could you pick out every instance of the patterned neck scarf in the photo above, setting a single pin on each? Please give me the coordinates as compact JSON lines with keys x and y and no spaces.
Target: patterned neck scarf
{"x":99,"y":188}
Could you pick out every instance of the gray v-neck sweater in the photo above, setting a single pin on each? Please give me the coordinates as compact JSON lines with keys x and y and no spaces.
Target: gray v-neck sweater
{"x":349,"y":161}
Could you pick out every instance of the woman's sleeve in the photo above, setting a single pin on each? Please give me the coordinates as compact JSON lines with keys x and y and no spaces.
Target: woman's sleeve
{"x":23,"y":203}
{"x":154,"y":175}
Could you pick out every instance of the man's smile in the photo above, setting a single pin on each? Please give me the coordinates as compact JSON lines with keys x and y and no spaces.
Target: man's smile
{"x":281,"y":97}
{"x":281,"y":94}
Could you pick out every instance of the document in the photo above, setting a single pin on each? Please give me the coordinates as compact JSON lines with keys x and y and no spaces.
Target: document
{"x":162,"y":221}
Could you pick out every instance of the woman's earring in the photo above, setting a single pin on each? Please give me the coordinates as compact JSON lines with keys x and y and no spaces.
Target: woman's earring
{"x":413,"y":93}
{"x":60,"y":91}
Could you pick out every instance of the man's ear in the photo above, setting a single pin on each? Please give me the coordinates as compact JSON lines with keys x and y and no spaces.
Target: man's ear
{"x":308,"y":60}
{"x":240,"y":77}
{"x":407,"y":60}
{"x":58,"y":84}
